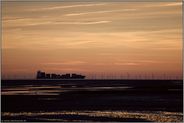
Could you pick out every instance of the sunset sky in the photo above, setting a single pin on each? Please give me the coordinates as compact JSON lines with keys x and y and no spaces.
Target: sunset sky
{"x":92,"y":37}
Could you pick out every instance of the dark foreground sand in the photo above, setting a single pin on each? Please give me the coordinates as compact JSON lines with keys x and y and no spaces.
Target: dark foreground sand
{"x":89,"y":100}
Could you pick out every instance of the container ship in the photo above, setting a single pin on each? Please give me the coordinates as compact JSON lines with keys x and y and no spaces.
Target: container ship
{"x":43,"y":75}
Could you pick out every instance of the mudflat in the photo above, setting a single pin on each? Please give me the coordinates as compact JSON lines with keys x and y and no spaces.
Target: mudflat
{"x":92,"y":100}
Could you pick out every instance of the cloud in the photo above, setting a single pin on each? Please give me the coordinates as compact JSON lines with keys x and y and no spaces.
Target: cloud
{"x":69,"y":6}
{"x":166,"y":4}
{"x":78,"y":42}
{"x":66,"y":63}
{"x":84,"y":23}
{"x":98,"y":12}
{"x":173,"y":4}
{"x":127,"y":63}
{"x":69,"y":23}
{"x":12,"y":19}
{"x":33,"y":22}
{"x":148,"y":61}
{"x":68,"y":69}
{"x":137,"y":62}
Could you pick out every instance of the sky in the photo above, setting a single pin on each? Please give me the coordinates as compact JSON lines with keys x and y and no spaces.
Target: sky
{"x":111,"y":38}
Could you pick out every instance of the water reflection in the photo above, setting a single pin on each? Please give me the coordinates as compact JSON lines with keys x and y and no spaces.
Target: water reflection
{"x":53,"y":90}
{"x":154,"y":116}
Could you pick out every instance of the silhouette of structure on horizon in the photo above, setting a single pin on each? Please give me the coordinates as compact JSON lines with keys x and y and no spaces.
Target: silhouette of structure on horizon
{"x":43,"y":75}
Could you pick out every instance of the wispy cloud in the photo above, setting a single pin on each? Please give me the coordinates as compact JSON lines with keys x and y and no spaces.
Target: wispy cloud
{"x":98,"y":12}
{"x":34,"y":22}
{"x":67,"y":69}
{"x":66,"y":63}
{"x":76,"y":43}
{"x":69,"y":6}
{"x":137,"y":62}
{"x":12,"y":19}
{"x":170,"y":4}
{"x":84,"y":23}
{"x":69,"y":23}
{"x":173,"y":4}
{"x":127,"y":63}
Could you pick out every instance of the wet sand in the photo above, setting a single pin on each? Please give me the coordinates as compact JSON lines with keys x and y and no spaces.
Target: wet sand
{"x":93,"y":100}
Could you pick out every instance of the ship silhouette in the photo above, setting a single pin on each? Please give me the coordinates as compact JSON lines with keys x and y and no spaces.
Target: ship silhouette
{"x":43,"y":75}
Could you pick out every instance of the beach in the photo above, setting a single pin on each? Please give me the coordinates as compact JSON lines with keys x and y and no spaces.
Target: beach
{"x":92,"y":100}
